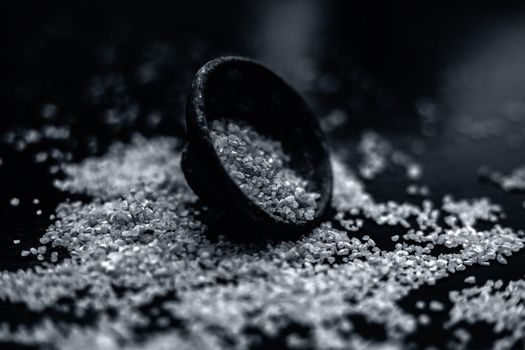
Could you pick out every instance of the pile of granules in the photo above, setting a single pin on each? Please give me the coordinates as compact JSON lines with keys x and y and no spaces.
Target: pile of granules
{"x":259,"y":166}
{"x":140,"y":162}
{"x":140,"y":272}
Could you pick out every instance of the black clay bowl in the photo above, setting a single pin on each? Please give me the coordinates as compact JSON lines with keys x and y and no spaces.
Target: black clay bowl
{"x":239,"y":89}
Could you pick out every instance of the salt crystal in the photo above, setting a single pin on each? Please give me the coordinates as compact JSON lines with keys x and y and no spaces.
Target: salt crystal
{"x":470,"y":279}
{"x":435,"y":305}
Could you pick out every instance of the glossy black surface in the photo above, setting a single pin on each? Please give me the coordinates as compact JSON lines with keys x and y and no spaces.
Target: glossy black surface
{"x":378,"y":63}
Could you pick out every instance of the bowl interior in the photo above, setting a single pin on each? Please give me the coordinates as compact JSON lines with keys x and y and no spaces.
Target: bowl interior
{"x":239,"y":90}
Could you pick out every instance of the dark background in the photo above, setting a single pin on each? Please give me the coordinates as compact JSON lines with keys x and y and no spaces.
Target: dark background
{"x":112,"y":68}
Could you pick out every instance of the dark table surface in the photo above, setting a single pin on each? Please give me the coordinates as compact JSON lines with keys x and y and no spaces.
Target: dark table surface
{"x":381,"y":65}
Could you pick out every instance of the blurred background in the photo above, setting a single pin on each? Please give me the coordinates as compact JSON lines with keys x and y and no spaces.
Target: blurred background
{"x":442,"y":81}
{"x":377,"y":62}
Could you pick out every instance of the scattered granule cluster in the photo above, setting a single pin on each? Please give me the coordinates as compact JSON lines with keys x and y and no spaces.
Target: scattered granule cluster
{"x":140,"y":272}
{"x":515,"y":181}
{"x":377,"y":153}
{"x":496,"y":304}
{"x":259,"y":166}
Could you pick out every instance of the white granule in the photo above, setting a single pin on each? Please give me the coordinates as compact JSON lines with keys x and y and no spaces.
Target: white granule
{"x":436,"y":305}
{"x":424,"y":320}
{"x":470,"y":280}
{"x":41,"y":157}
{"x":334,"y":120}
{"x":138,"y":256}
{"x":15,"y":202}
{"x":259,"y":166}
